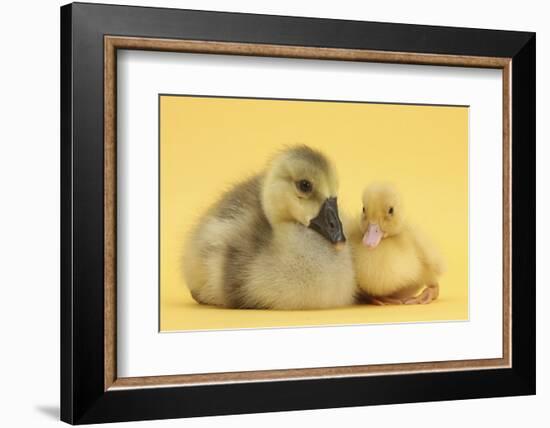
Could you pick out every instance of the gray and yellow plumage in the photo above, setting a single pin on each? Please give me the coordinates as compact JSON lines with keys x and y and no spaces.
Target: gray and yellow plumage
{"x":274,"y":241}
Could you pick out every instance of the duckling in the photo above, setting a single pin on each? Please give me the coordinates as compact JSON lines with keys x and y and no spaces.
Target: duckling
{"x":393,"y":260}
{"x":274,"y":241}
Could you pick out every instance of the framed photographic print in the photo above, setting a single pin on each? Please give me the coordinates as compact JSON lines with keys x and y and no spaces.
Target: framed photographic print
{"x":264,"y":213}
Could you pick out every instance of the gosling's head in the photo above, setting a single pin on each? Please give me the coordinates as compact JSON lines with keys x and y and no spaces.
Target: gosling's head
{"x":300,"y":186}
{"x":382,"y":215}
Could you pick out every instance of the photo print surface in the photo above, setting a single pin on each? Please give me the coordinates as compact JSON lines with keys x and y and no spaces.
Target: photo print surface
{"x":291,"y":213}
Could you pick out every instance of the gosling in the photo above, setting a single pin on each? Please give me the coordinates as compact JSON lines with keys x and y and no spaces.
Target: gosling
{"x":274,"y":241}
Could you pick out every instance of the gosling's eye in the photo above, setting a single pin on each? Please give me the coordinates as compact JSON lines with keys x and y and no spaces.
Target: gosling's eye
{"x":390,"y":211}
{"x":363,"y":210}
{"x":304,"y":186}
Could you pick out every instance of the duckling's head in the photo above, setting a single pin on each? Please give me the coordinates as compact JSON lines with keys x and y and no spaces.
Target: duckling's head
{"x":382,"y":215}
{"x":300,"y":186}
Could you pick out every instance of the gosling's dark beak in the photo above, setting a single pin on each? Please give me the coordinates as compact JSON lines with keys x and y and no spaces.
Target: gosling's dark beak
{"x":327,"y":222}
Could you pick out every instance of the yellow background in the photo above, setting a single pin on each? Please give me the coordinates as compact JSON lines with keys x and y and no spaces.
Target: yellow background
{"x":207,"y":144}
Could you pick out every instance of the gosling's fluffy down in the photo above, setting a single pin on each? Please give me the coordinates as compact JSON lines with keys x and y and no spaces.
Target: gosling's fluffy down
{"x":254,"y":249}
{"x":393,"y":260}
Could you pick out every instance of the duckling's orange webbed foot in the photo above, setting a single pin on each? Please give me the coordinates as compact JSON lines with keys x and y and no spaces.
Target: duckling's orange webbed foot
{"x":428,"y":295}
{"x":384,"y":300}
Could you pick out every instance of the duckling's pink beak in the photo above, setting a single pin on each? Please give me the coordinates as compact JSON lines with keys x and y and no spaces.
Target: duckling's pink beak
{"x":372,"y":236}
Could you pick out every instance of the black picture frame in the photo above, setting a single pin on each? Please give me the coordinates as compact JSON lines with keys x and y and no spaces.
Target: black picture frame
{"x":83,"y":397}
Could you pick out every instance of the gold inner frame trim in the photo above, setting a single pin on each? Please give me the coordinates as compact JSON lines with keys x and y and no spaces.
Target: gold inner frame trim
{"x":112,"y":43}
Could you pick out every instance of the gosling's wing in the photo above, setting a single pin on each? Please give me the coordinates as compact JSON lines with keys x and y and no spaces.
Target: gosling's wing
{"x":235,"y":219}
{"x":240,"y":199}
{"x":244,"y":233}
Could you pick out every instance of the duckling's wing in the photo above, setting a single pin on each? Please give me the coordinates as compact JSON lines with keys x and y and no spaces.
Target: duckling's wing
{"x":429,"y":253}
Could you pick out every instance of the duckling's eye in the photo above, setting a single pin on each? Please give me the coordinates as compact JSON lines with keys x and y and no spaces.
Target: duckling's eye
{"x":304,"y":186}
{"x":363,"y":210}
{"x":390,"y":211}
